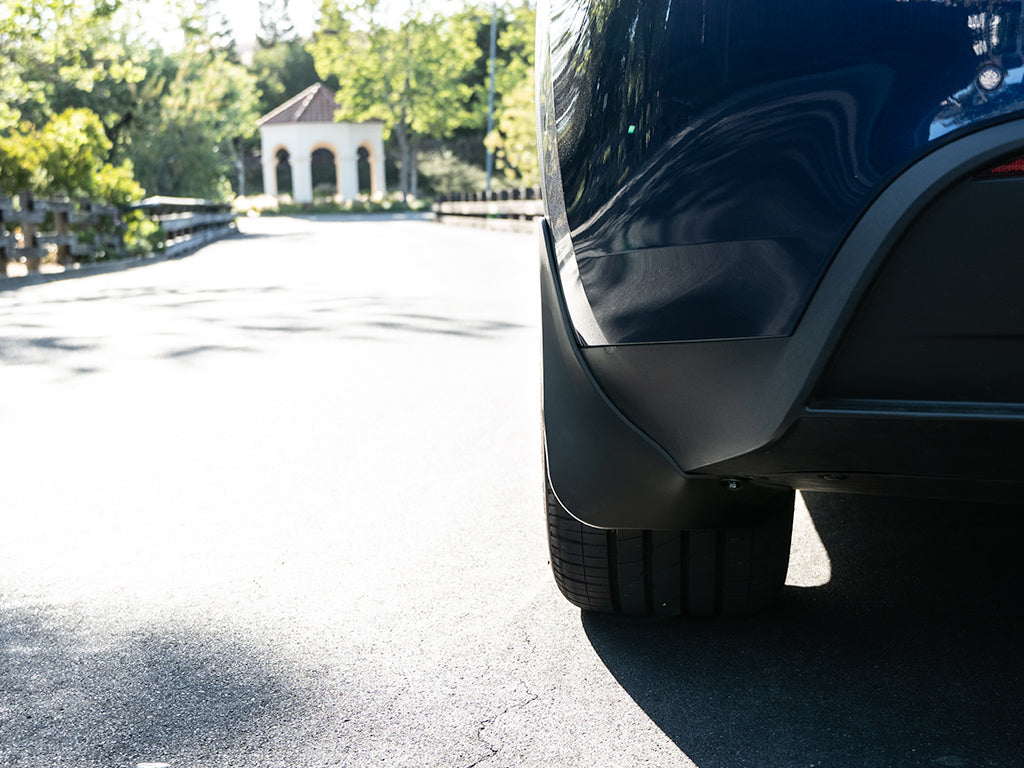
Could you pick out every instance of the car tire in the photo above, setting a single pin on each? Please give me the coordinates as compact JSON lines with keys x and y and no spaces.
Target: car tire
{"x":668,"y":573}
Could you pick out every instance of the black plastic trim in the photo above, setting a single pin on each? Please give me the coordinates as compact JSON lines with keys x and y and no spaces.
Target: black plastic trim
{"x":707,"y":402}
{"x":942,"y":320}
{"x":898,"y":449}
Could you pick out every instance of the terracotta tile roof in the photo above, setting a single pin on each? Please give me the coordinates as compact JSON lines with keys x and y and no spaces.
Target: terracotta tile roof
{"x":316,"y":104}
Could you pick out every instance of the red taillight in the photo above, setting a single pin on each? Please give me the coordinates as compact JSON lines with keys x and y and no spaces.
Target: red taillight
{"x":1004,"y":168}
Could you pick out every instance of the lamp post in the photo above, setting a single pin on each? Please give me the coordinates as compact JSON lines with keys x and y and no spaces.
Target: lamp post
{"x":490,"y":91}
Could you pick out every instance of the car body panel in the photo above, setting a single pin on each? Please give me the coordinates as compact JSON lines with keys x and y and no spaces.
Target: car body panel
{"x":774,"y":255}
{"x":706,"y":160}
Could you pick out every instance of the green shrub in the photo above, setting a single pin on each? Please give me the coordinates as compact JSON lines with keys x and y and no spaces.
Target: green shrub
{"x":266,"y":205}
{"x":142,"y":234}
{"x":325,"y":190}
{"x":65,"y":157}
{"x":444,"y":173}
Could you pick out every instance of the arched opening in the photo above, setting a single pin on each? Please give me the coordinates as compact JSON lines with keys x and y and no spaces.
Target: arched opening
{"x":363,"y":171}
{"x":324,"y":170}
{"x":283,"y":170}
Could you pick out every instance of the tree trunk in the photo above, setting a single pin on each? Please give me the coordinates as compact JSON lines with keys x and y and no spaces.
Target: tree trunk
{"x":414,"y":168}
{"x":239,"y":152}
{"x":402,"y":136}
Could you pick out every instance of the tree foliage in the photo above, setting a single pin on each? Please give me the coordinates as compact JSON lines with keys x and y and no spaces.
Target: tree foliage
{"x":514,"y":139}
{"x":66,"y":67}
{"x":275,"y":23}
{"x":65,"y":157}
{"x":282,"y":70}
{"x":282,"y":65}
{"x":91,"y":102}
{"x":410,"y":75}
{"x":169,"y":118}
{"x":205,"y":103}
{"x":54,"y":50}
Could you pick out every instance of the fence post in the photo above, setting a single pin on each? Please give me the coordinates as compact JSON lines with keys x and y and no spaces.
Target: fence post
{"x":6,"y":236}
{"x":62,"y":228}
{"x":29,"y":232}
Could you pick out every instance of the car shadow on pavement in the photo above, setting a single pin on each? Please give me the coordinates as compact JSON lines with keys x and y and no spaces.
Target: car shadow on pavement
{"x":908,"y":656}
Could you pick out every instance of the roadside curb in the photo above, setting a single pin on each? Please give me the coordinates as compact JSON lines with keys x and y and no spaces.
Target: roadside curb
{"x":482,"y":222}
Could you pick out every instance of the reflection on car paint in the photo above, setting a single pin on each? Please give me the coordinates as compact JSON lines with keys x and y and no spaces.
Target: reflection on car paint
{"x":705,"y":147}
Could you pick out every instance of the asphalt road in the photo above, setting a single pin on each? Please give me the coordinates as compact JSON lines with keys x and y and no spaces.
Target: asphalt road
{"x":278,"y":504}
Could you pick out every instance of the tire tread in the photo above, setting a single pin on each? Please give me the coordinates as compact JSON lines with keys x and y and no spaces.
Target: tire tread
{"x":667,"y":573}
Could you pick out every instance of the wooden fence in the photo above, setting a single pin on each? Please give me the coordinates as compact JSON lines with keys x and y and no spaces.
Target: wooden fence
{"x":188,"y":222}
{"x":32,"y":229}
{"x":62,"y":233}
{"x":508,"y":206}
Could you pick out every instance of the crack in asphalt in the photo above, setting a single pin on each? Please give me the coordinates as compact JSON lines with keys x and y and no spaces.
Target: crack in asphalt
{"x":491,"y":720}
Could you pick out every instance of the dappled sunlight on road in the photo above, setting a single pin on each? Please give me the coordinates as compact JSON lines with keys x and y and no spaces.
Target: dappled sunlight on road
{"x":237,"y":302}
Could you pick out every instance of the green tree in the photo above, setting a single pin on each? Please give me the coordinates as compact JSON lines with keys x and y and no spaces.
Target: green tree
{"x":67,"y":156}
{"x":275,"y":23}
{"x":189,"y":146}
{"x":66,"y":74}
{"x":206,"y":28}
{"x":176,"y":117}
{"x":410,"y":75}
{"x":57,"y":54}
{"x":514,"y":139}
{"x":282,"y":70}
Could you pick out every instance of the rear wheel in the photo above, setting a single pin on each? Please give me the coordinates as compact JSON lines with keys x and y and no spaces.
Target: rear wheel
{"x":669,"y":573}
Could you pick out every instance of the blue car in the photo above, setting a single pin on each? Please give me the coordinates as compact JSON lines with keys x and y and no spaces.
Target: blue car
{"x":781,"y":251}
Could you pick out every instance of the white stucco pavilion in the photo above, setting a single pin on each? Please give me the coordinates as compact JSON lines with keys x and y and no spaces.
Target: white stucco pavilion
{"x":304,"y":124}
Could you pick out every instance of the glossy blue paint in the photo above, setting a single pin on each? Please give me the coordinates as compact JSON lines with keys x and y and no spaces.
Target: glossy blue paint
{"x":710,"y":156}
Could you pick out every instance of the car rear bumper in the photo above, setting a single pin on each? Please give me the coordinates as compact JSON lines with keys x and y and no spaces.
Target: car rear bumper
{"x":873,"y":392}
